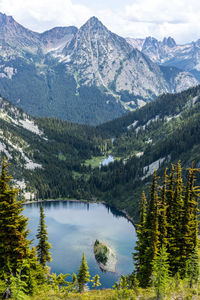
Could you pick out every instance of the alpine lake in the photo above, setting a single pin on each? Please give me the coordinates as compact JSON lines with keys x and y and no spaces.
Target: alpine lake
{"x":73,"y":228}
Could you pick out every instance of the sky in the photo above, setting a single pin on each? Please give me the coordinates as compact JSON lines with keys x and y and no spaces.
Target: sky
{"x":179,"y":19}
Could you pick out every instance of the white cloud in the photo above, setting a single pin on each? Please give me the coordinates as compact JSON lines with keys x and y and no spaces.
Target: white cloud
{"x":40,"y":15}
{"x":141,"y":18}
{"x":158,"y":18}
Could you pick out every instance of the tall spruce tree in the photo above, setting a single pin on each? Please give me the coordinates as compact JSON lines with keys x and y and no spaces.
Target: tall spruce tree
{"x":175,"y":245}
{"x":171,"y":224}
{"x":43,"y":246}
{"x":141,"y":244}
{"x":152,"y":230}
{"x":14,"y":245}
{"x":83,"y":274}
{"x":161,"y":275}
{"x":190,"y":219}
{"x":163,"y":214}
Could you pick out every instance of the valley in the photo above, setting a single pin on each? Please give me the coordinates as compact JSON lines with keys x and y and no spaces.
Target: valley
{"x":57,"y":159}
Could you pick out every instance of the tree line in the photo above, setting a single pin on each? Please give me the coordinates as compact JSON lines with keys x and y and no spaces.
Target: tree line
{"x":168,"y":243}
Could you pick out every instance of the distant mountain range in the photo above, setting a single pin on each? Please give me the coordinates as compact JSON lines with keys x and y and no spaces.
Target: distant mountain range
{"x":168,"y":53}
{"x":88,"y":75}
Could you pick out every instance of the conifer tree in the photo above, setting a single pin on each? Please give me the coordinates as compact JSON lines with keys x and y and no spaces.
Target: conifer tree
{"x":141,"y":244}
{"x":192,"y":267}
{"x":43,"y":246}
{"x":83,"y":274}
{"x":96,"y":281}
{"x":152,"y":230}
{"x":170,"y":228}
{"x":14,"y":245}
{"x":163,"y":213}
{"x":161,"y":273}
{"x":175,"y":245}
{"x":169,"y":200}
{"x":190,"y":219}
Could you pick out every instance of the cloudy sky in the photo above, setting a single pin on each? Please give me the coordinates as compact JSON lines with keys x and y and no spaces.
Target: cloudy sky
{"x":128,"y":18}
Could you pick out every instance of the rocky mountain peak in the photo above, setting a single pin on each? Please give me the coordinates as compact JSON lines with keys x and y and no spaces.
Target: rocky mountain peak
{"x":94,"y":21}
{"x":170,"y":42}
{"x":5,"y":20}
{"x":150,"y":42}
{"x":93,"y":25}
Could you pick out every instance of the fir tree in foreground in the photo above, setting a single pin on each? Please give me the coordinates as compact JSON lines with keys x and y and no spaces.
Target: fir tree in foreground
{"x":14,"y":245}
{"x":168,"y":232}
{"x":43,"y":246}
{"x":20,"y":271}
{"x":83,"y":274}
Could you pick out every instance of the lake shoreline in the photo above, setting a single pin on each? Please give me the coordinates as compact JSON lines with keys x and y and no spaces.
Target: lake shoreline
{"x":123,"y":211}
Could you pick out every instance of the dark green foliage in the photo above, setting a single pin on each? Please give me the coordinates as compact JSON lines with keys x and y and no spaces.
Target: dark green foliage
{"x":14,"y":245}
{"x":152,"y":233}
{"x":192,"y":267}
{"x":141,"y":244}
{"x":96,"y":281}
{"x":101,"y":252}
{"x":166,"y":243}
{"x":43,"y":246}
{"x":19,"y":267}
{"x":161,"y":274}
{"x":83,"y":274}
{"x":44,"y":89}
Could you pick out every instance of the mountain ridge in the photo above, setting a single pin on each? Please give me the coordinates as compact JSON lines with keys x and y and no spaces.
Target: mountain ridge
{"x":87,"y":75}
{"x":168,"y":53}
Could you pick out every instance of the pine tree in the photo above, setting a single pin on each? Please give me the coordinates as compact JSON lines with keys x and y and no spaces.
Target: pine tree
{"x":141,"y":244}
{"x":14,"y":245}
{"x":161,"y":274}
{"x":190,"y":219}
{"x":152,"y":230}
{"x":163,"y":213}
{"x":83,"y":274}
{"x":96,"y":281}
{"x":175,"y":245}
{"x":43,"y":246}
{"x":192,"y":267}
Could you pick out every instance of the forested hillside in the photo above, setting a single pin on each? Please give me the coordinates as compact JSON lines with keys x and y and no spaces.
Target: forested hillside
{"x":152,"y":137}
{"x":58,"y":159}
{"x":46,"y":154}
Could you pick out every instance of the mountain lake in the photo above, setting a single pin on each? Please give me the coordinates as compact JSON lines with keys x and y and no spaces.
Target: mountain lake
{"x":73,"y":228}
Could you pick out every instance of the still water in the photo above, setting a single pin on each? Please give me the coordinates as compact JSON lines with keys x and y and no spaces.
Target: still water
{"x":73,"y":228}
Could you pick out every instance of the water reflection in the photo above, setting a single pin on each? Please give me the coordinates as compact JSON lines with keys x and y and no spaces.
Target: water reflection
{"x":73,"y":228}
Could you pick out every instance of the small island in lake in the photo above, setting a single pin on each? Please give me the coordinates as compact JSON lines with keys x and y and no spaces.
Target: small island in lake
{"x":105,"y":256}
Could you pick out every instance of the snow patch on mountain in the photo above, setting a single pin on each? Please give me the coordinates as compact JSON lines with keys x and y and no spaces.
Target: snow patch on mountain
{"x":131,"y":126}
{"x":141,"y":103}
{"x":3,"y":149}
{"x":139,"y":154}
{"x":169,"y":118}
{"x":149,"y":170}
{"x":29,"y":164}
{"x":30,"y":125}
{"x":12,"y":115}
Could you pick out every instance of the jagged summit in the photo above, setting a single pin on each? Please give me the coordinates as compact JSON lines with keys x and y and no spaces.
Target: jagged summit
{"x":93,"y":21}
{"x":170,"y":42}
{"x":93,"y":24}
{"x":4,"y":19}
